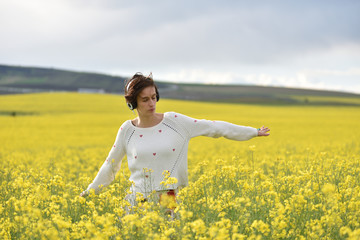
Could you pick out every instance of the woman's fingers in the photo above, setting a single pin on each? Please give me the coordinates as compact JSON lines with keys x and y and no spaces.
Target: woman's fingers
{"x":265,"y":128}
{"x":263,"y":131}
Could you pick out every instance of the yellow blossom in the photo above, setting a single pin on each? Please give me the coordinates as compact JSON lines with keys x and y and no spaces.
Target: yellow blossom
{"x":252,"y":148}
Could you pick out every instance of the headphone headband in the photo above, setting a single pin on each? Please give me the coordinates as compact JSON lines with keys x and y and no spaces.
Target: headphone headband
{"x":128,"y":85}
{"x":133,"y":78}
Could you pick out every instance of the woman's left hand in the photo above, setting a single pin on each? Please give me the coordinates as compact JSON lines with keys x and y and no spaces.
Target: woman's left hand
{"x":83,"y":194}
{"x":263,"y":131}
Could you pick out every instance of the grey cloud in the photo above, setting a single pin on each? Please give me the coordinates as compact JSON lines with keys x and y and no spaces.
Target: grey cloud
{"x":243,"y":34}
{"x":172,"y":36}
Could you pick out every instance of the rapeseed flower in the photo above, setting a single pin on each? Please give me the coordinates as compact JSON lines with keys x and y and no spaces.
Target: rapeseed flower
{"x":290,"y":191}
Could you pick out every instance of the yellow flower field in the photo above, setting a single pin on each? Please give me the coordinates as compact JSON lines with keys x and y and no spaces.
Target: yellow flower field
{"x":302,"y":182}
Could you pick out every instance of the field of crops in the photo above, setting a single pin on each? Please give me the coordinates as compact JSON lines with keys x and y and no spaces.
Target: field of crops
{"x":301,"y":182}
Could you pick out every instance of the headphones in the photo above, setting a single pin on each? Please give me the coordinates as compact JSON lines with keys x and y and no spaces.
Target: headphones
{"x":132,"y":105}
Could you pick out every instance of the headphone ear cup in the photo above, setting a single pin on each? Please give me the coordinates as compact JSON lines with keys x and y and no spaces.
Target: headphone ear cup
{"x":131,"y":107}
{"x":157,"y":95}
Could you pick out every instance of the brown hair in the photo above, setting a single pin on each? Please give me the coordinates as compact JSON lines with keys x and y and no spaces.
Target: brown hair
{"x":135,"y":85}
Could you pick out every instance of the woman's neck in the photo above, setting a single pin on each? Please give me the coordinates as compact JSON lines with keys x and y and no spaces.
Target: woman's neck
{"x":148,"y":121}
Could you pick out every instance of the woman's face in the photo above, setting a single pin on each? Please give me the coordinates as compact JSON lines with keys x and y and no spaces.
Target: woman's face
{"x":146,"y":101}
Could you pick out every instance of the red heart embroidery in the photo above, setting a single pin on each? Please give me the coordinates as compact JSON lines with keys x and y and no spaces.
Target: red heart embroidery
{"x":173,"y":149}
{"x":141,"y":135}
{"x":195,"y":120}
{"x":135,"y":157}
{"x":175,"y":115}
{"x":159,"y":131}
{"x":154,"y":154}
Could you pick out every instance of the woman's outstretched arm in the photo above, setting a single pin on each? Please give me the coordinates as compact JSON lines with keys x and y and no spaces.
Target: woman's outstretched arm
{"x":215,"y":129}
{"x":110,"y":166}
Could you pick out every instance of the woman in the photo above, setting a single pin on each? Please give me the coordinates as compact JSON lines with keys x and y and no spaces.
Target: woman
{"x":158,"y":142}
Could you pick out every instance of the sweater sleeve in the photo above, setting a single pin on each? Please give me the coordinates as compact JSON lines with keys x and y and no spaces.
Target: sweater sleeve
{"x":215,"y":129}
{"x":111,"y":164}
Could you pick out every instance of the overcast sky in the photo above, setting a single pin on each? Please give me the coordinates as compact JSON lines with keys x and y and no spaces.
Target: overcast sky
{"x":307,"y":44}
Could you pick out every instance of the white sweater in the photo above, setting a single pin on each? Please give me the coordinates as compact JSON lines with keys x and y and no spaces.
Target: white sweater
{"x":161,"y":147}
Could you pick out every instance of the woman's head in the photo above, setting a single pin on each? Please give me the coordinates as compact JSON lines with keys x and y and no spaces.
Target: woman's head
{"x":135,"y":85}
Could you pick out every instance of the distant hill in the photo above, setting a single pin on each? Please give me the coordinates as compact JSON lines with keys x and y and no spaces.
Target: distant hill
{"x":14,"y":79}
{"x":57,"y":80}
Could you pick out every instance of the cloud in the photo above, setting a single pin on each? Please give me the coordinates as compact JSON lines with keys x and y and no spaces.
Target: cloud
{"x":312,"y":79}
{"x":308,"y":79}
{"x":199,"y":75}
{"x":225,"y":41}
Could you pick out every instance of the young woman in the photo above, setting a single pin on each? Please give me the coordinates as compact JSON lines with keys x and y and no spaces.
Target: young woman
{"x":158,"y":142}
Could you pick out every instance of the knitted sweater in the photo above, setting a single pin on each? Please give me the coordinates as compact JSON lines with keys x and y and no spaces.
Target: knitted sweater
{"x":161,"y":147}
